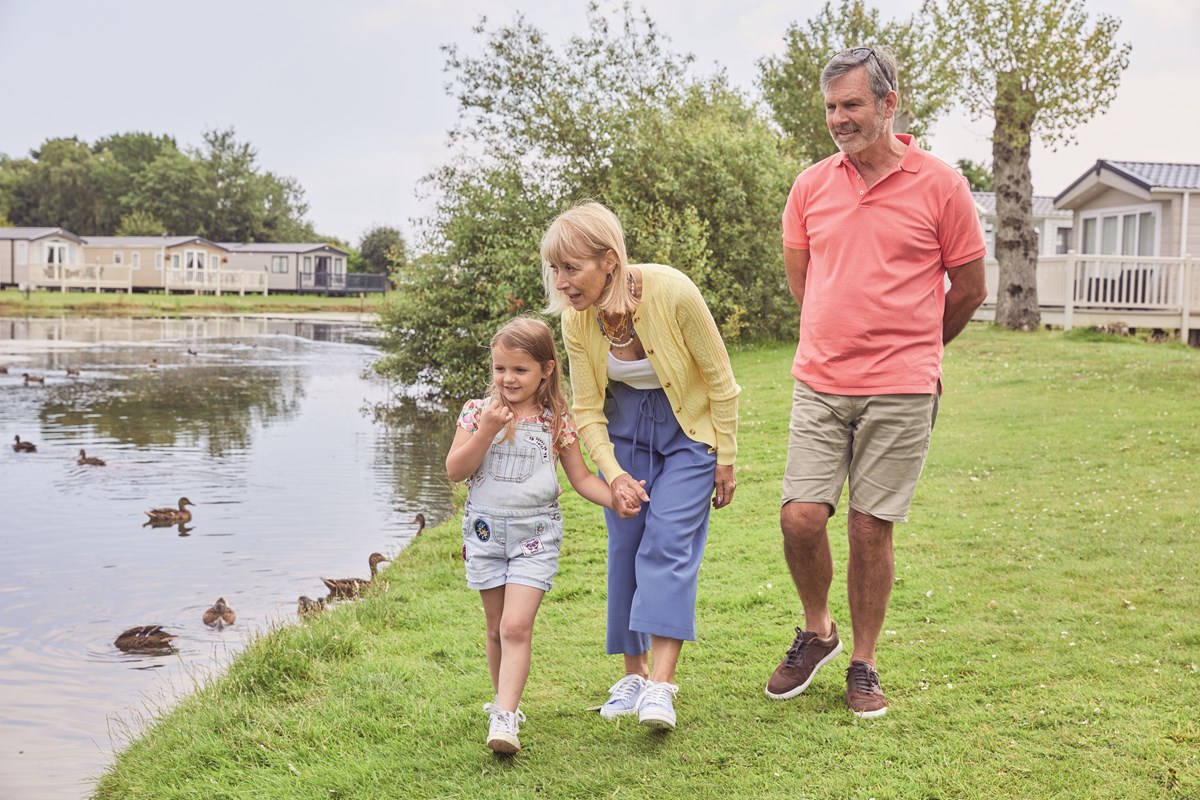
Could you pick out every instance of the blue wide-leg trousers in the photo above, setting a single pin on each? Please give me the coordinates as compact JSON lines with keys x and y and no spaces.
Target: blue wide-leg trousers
{"x":654,"y":558}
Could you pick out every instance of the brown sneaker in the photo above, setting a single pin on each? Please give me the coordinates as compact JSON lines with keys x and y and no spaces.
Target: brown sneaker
{"x":806,"y":655}
{"x":863,"y":693}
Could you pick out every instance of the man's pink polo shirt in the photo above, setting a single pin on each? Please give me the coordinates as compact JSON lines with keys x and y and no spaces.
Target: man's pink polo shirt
{"x":875,"y":290}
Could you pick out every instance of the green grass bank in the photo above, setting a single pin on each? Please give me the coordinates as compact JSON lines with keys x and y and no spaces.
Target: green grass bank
{"x":1042,"y":639}
{"x":14,"y":303}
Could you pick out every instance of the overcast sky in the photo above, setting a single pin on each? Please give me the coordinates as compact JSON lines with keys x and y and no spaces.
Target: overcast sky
{"x":348,"y":96}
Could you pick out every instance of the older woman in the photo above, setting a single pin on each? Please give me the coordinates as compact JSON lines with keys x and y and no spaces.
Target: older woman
{"x":656,"y":406}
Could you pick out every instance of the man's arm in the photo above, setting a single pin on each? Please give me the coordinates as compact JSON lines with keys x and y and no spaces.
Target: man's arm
{"x":967,"y":292}
{"x":795,"y":263}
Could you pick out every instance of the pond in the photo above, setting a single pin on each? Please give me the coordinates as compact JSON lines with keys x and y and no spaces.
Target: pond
{"x":299,"y":461}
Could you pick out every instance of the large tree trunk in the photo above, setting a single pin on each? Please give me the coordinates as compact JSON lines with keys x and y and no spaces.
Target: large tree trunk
{"x":1016,"y":240}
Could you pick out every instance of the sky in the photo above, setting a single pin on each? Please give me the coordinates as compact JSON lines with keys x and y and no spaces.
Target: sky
{"x":349,"y":97}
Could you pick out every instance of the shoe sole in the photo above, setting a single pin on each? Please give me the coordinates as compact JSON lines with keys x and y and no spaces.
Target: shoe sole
{"x":615,"y":714}
{"x":505,"y":745}
{"x":879,"y":712}
{"x":792,"y":693}
{"x":658,"y":723}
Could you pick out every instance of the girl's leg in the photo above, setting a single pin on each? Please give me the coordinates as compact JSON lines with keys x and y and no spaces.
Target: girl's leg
{"x":516,"y":639}
{"x":493,"y":612}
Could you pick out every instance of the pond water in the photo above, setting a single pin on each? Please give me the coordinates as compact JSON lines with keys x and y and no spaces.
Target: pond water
{"x":300,"y":464}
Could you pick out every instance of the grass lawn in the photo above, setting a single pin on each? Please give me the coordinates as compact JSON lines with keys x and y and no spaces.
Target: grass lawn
{"x":15,"y":303}
{"x":1042,"y":639}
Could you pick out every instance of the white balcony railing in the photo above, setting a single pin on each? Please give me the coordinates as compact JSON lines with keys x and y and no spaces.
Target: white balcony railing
{"x":64,"y":277}
{"x":217,"y":281}
{"x":1137,"y":290}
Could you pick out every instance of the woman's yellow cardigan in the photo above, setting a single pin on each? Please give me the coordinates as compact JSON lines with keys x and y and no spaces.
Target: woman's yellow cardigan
{"x":688,"y":355}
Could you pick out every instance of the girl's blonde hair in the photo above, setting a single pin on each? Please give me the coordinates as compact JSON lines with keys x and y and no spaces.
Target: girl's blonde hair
{"x":534,"y":337}
{"x":587,"y":231}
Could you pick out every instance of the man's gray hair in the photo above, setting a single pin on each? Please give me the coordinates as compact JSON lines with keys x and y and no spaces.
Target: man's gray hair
{"x":879,"y":62}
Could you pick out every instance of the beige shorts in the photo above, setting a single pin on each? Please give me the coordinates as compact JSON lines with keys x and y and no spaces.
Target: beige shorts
{"x":878,"y":441}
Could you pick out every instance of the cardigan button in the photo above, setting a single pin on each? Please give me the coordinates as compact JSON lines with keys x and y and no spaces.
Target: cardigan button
{"x":650,"y":352}
{"x":692,"y":431}
{"x":667,"y":385}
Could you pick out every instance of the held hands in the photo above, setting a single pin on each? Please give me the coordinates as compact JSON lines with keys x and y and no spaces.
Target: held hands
{"x":723,"y":486}
{"x":628,"y":496}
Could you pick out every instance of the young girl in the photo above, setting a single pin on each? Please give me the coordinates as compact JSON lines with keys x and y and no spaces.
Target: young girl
{"x":506,"y":448}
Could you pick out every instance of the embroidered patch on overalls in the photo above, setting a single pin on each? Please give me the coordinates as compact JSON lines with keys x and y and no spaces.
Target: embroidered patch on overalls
{"x":532,"y":546}
{"x":482,"y":531}
{"x":540,"y":444}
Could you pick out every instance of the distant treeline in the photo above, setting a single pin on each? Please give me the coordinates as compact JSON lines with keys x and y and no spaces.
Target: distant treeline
{"x":140,"y":184}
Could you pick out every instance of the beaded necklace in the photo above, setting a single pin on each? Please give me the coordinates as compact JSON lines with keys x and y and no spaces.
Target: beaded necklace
{"x":622,"y":334}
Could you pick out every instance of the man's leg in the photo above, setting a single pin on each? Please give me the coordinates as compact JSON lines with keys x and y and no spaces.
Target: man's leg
{"x":869,"y":577}
{"x":806,"y":549}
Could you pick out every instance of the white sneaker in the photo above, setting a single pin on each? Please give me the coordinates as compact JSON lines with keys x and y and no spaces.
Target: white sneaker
{"x":623,"y":696}
{"x":656,"y":709}
{"x":504,"y":727}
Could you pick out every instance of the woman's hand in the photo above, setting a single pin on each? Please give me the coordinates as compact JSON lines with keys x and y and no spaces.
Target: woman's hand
{"x":723,"y":486}
{"x":628,"y":495}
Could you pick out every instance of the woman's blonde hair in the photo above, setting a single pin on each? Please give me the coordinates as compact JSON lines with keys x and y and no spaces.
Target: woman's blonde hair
{"x":587,"y":231}
{"x":534,"y":337}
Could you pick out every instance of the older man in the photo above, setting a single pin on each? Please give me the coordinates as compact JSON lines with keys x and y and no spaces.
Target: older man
{"x":870,"y":235}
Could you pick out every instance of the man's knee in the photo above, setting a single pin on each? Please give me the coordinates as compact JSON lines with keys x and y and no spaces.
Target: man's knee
{"x":867,"y":531}
{"x":803,"y":523}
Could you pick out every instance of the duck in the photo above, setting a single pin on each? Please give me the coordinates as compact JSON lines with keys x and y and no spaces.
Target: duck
{"x":90,"y":461}
{"x":219,"y":615}
{"x":23,"y":447}
{"x":192,"y":352}
{"x":419,"y":521}
{"x":72,"y":372}
{"x":349,"y":588}
{"x":172,"y":515}
{"x":306,"y":606}
{"x":33,"y":378}
{"x":145,"y":638}
{"x":3,"y":369}
{"x":153,"y":363}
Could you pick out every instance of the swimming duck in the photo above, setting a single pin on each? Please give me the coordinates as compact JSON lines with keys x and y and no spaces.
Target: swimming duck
{"x":419,"y":521}
{"x":72,"y":372}
{"x":219,"y":615}
{"x":153,"y":363}
{"x":172,"y":515}
{"x":349,"y":588}
{"x":306,"y":606}
{"x":33,"y":378}
{"x":145,"y":639}
{"x":91,"y":461}
{"x":191,"y":352}
{"x":23,"y":447}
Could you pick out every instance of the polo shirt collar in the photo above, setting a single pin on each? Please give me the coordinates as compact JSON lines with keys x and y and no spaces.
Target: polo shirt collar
{"x":911,"y":161}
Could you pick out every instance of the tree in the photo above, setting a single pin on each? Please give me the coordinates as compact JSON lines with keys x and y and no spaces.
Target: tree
{"x":381,"y":249}
{"x":140,"y":223}
{"x":791,"y":84}
{"x":1040,"y":70}
{"x":59,"y":189}
{"x":978,"y":175}
{"x":689,"y":165}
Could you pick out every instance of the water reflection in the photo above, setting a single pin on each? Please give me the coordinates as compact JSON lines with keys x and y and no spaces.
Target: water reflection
{"x":298,"y":461}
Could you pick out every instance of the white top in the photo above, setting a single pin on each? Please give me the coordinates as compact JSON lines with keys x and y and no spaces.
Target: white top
{"x":637,"y":374}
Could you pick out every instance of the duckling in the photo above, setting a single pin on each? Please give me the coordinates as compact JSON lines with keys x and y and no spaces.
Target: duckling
{"x":306,"y":606}
{"x":23,"y":447}
{"x":33,"y":378}
{"x":419,"y":521}
{"x":172,"y":515}
{"x":90,"y":461}
{"x":219,"y":615}
{"x":350,"y":588}
{"x":72,"y":372}
{"x":145,"y":639}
